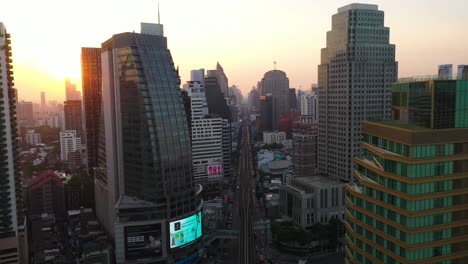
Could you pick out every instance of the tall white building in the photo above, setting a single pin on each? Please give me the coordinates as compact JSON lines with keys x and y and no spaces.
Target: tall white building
{"x":69,"y":143}
{"x":11,"y":206}
{"x":355,"y":75}
{"x":309,"y":105}
{"x":207,"y":152}
{"x":32,"y":138}
{"x":445,"y":71}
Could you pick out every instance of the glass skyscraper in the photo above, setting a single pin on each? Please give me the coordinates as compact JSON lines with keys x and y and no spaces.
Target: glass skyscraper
{"x":145,"y":187}
{"x":410,"y":201}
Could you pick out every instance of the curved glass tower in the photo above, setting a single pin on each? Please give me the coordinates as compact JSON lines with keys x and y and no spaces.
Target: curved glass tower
{"x":144,"y":191}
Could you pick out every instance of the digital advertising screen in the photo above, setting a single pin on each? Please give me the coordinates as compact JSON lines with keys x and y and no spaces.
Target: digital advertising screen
{"x":143,"y":241}
{"x":214,"y":169}
{"x":185,"y":231}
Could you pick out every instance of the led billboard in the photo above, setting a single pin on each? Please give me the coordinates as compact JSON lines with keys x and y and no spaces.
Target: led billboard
{"x":214,"y":169}
{"x":185,"y":231}
{"x":143,"y":241}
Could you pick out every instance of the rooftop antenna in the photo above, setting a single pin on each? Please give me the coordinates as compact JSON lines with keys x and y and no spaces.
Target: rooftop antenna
{"x":274,"y":65}
{"x":159,"y":20}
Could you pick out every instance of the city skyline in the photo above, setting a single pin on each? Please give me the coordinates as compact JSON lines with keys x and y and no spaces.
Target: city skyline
{"x":240,"y":29}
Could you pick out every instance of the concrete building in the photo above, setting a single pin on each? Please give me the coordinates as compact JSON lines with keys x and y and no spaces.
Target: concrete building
{"x":11,"y":205}
{"x":270,"y":137}
{"x":73,"y":116}
{"x":46,"y":195}
{"x":56,"y":120}
{"x":309,"y":105}
{"x":276,"y":83}
{"x":92,"y":102}
{"x":32,"y":138}
{"x":254,"y":100}
{"x":69,"y":143}
{"x":304,"y":147}
{"x":144,"y":186}
{"x":43,"y":103}
{"x":355,"y":75}
{"x":207,"y":151}
{"x":311,"y":200}
{"x":292,"y":100}
{"x":266,"y":112}
{"x":409,"y":203}
{"x":445,"y":72}
{"x":25,"y":112}
{"x":462,"y":72}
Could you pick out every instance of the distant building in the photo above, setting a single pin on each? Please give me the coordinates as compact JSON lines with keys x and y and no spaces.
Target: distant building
{"x":355,"y":76}
{"x":56,"y":120}
{"x":270,"y":137}
{"x":73,"y":116}
{"x":292,"y":100}
{"x":311,"y":200}
{"x":462,"y":72}
{"x":69,"y":143}
{"x":46,"y":195}
{"x":70,"y":91}
{"x":43,"y":103}
{"x":408,"y":203}
{"x":266,"y":112}
{"x":445,"y":72}
{"x":92,"y":102}
{"x":276,"y":83}
{"x":309,"y":105}
{"x":304,"y":145}
{"x":32,"y":138}
{"x":25,"y":112}
{"x":254,"y":100}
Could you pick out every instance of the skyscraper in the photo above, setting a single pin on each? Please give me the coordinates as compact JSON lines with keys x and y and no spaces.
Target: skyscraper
{"x":266,"y":112}
{"x":462,"y":72}
{"x":445,"y":71}
{"x":43,"y":103}
{"x":276,"y":83}
{"x":92,"y":100}
{"x":309,"y":106}
{"x":254,"y":100}
{"x":145,"y":193}
{"x":25,"y":112}
{"x":304,"y":145}
{"x":409,"y":204}
{"x":70,"y":91}
{"x":355,"y":76}
{"x":292,"y":100}
{"x":73,"y":116}
{"x":11,"y":205}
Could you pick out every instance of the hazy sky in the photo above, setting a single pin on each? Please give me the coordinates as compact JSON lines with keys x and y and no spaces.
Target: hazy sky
{"x":245,"y":36}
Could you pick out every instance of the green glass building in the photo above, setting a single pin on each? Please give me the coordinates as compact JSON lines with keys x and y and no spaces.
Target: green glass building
{"x":409,"y":203}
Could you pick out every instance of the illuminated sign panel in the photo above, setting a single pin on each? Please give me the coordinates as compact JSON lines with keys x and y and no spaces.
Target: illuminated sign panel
{"x":214,"y":169}
{"x":143,"y":241}
{"x":185,"y":231}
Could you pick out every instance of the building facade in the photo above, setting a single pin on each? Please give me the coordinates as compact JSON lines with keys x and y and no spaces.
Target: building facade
{"x":46,"y":195}
{"x":309,"y":105}
{"x":462,"y":73}
{"x":25,"y":112}
{"x":276,"y":83}
{"x":304,"y":147}
{"x":32,"y":138}
{"x":355,"y":76}
{"x":310,"y":200}
{"x":92,"y":101}
{"x":69,"y":143}
{"x":445,"y":71}
{"x":145,"y":192}
{"x":270,"y":137}
{"x":409,"y":203}
{"x":11,"y":204}
{"x":73,"y":116}
{"x":70,"y":91}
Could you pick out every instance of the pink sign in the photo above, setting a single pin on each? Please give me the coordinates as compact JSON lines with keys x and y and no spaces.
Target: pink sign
{"x":214,"y":169}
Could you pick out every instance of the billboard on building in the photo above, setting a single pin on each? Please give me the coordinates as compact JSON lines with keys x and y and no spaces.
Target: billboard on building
{"x":185,"y":231}
{"x":143,"y":241}
{"x":214,"y":169}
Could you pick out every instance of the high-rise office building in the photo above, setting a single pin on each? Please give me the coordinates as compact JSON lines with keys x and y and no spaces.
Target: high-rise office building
{"x":207,"y":154}
{"x":25,"y":112}
{"x":304,"y":145}
{"x":70,"y":91}
{"x":266,"y":112}
{"x":73,"y":116}
{"x":92,"y":101}
{"x":292,"y":100}
{"x":357,"y":69}
{"x":309,"y":106}
{"x":276,"y":83}
{"x":254,"y":100}
{"x":69,"y":142}
{"x":145,"y":194}
{"x":462,"y":72}
{"x":43,"y":103}
{"x":11,"y":205}
{"x":409,"y":203}
{"x":445,"y":71}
